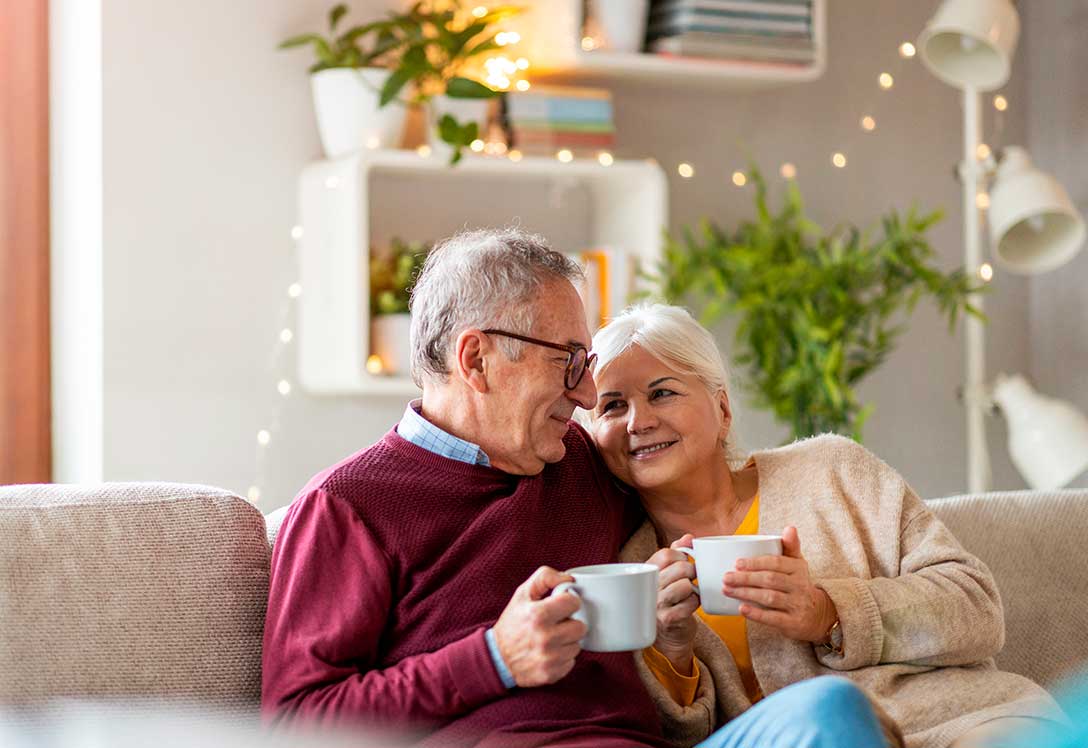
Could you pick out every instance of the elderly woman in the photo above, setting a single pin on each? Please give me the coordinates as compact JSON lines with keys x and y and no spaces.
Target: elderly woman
{"x":881,"y":592}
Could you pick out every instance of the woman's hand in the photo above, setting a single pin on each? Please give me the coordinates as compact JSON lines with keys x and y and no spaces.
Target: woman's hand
{"x":676,"y":605}
{"x":778,"y":591}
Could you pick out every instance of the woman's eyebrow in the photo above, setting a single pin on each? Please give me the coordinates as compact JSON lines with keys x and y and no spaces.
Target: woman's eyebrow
{"x":610,"y":394}
{"x":656,"y":382}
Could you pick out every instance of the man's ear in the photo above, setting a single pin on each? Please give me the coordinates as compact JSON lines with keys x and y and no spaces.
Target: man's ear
{"x":471,"y":354}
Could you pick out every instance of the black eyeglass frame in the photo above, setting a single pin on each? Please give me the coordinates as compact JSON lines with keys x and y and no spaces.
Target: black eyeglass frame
{"x":572,"y":351}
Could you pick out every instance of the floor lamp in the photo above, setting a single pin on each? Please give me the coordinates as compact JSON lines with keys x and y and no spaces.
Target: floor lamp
{"x":1033,"y":228}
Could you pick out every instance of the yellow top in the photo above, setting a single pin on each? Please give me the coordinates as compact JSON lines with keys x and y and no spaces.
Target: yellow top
{"x":733,"y":630}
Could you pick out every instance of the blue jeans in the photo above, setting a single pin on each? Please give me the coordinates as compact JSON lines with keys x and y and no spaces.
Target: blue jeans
{"x":825,"y":712}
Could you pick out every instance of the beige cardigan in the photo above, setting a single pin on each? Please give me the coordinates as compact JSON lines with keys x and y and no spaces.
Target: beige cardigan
{"x":920,"y":616}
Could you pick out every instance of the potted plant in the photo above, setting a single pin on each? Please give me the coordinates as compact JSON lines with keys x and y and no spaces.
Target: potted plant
{"x":346,"y":81}
{"x":393,"y":272}
{"x":442,"y":42}
{"x":816,"y":312}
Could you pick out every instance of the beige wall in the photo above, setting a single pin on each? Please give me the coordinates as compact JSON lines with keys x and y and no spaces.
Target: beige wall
{"x":1056,"y":57}
{"x":206,"y":128}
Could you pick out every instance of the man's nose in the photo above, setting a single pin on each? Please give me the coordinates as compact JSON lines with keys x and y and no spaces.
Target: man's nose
{"x":585,"y":394}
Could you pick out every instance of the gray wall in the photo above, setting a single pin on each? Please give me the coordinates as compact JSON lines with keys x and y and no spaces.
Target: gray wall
{"x":1056,"y":57}
{"x":206,"y":128}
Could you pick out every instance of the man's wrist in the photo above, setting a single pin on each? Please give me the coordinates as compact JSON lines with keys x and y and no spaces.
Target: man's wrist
{"x":501,"y":668}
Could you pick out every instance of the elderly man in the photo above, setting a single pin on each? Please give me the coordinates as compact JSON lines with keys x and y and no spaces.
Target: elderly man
{"x":411,"y":582}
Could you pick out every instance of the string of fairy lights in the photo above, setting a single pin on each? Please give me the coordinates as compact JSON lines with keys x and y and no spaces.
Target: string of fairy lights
{"x":503,"y":72}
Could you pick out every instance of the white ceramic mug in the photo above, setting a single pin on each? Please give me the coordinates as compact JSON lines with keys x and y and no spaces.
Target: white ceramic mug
{"x":716,"y":556}
{"x":619,"y":604}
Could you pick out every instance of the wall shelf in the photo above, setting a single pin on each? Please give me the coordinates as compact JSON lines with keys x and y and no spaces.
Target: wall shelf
{"x":627,"y":206}
{"x":553,"y":46}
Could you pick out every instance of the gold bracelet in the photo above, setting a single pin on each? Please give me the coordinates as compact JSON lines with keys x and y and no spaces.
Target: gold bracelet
{"x":834,"y":639}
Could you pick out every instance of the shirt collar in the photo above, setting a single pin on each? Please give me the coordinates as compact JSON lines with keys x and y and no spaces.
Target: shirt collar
{"x":414,"y":428}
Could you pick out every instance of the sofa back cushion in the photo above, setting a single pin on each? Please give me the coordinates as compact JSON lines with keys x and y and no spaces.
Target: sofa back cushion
{"x":1034,"y":543}
{"x":129,"y":590}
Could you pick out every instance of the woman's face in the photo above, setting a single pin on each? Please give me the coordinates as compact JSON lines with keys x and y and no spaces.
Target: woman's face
{"x":654,"y":425}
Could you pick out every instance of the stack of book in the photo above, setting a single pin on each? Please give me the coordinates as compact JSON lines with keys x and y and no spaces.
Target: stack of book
{"x":546,"y":119}
{"x":778,"y":31}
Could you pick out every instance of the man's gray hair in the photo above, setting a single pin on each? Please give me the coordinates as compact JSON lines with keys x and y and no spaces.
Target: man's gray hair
{"x":480,"y":279}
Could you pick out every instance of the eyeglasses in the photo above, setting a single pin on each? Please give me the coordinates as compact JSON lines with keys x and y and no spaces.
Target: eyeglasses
{"x":578,"y":358}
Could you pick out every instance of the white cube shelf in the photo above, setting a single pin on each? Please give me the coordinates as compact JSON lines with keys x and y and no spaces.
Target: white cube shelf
{"x":628,"y":211}
{"x":551,"y":40}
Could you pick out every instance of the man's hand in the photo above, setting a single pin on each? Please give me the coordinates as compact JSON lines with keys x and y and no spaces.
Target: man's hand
{"x":537,"y":637}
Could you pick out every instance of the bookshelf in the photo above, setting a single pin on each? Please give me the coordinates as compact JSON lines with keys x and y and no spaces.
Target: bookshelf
{"x":554,"y":48}
{"x":626,"y":204}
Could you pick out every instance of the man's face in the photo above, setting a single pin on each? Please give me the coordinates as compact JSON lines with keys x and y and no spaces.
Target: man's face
{"x":530,"y":398}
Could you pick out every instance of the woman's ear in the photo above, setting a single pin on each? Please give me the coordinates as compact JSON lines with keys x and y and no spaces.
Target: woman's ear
{"x":471,"y":353}
{"x":726,"y":413}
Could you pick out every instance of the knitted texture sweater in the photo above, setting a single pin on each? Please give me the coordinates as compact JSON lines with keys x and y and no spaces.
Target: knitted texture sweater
{"x":391,"y":565}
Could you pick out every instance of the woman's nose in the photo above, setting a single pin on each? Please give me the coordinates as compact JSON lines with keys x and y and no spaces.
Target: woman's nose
{"x":639,"y":420}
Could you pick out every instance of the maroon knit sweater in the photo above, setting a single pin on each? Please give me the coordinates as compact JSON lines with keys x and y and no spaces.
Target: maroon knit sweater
{"x":390,"y":566}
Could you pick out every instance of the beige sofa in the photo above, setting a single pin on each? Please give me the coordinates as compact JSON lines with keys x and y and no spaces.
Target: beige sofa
{"x":134,"y":590}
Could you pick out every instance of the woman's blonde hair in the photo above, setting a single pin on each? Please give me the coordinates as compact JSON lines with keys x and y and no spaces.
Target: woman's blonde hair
{"x":672,"y":335}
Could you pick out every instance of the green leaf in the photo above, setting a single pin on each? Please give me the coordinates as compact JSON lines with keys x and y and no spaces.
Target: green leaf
{"x":302,"y":39}
{"x":336,"y":14}
{"x":394,"y":83}
{"x":466,"y":88}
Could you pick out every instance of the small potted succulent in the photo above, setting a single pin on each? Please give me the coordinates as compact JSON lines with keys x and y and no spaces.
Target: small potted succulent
{"x":346,"y":81}
{"x":393,"y":272}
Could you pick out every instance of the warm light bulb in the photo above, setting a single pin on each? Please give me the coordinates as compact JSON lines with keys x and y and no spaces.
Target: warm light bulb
{"x":982,"y":200}
{"x":522,"y":85}
{"x":565,"y":156}
{"x":263,"y":437}
{"x":986,"y":272}
{"x":294,"y":290}
{"x":983,"y":151}
{"x":886,"y":81}
{"x":286,"y":336}
{"x":588,"y":44}
{"x":906,"y":50}
{"x":868,"y":123}
{"x":296,"y":232}
{"x":514,"y":155}
{"x":253,"y":494}
{"x":1001,"y":103}
{"x":283,"y":387}
{"x":739,"y":179}
{"x":479,"y":11}
{"x":605,"y":158}
{"x":373,"y":142}
{"x":424,"y":150}
{"x":687,"y":171}
{"x":522,"y":63}
{"x":477,"y":145}
{"x":788,"y":171}
{"x":839,"y":160}
{"x":374,"y":364}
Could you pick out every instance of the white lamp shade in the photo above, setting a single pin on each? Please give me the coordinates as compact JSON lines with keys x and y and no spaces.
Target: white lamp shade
{"x":1048,"y":438}
{"x":1034,"y":226}
{"x":970,"y":43}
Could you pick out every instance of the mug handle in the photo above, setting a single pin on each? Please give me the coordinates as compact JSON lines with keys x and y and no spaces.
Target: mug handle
{"x":566,"y":587}
{"x":691,"y":553}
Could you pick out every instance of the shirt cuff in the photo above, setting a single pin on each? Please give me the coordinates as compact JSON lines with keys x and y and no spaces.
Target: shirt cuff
{"x":682,"y":688}
{"x":505,"y":675}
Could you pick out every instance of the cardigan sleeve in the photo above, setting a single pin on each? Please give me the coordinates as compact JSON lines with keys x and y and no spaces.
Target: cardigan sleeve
{"x":329,"y":599}
{"x":942,"y":609}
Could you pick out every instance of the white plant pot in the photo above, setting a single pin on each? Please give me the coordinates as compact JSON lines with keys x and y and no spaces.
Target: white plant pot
{"x":389,"y":335}
{"x":621,"y":23}
{"x":348,"y":116}
{"x":462,"y":110}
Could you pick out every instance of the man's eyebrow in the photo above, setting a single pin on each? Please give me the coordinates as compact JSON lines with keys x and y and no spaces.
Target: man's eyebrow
{"x":577,"y":343}
{"x":659,"y":381}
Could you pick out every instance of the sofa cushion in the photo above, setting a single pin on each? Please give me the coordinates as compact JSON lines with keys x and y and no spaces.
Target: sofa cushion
{"x":131,"y":590}
{"x":1034,"y":543}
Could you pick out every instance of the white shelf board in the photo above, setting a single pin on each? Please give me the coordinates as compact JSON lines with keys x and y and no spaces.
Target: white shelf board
{"x":551,"y":30}
{"x":629,"y":205}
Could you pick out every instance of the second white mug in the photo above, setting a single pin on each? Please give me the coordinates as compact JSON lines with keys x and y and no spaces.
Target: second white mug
{"x":716,"y":556}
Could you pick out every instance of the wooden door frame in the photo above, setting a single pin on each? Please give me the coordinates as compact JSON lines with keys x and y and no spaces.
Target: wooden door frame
{"x":25,"y":407}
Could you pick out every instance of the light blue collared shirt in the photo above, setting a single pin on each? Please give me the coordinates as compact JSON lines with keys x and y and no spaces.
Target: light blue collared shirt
{"x":414,"y":428}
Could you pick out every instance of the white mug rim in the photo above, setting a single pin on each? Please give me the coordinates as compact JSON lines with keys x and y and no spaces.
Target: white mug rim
{"x":737,"y":538}
{"x":601,"y":571}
